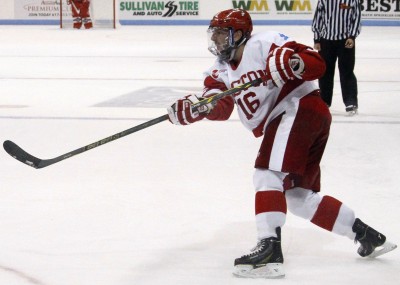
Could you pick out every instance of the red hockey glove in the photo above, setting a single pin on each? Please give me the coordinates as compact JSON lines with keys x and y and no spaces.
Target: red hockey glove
{"x":181,"y":113}
{"x":283,"y":65}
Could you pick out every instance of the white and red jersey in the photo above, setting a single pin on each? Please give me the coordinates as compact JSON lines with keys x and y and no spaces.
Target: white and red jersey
{"x":259,"y":105}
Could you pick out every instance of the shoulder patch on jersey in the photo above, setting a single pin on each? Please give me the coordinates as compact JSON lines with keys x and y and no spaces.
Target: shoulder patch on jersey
{"x":283,"y":36}
{"x":215,"y":73}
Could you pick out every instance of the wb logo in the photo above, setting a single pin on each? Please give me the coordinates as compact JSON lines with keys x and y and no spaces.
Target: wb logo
{"x":171,"y":9}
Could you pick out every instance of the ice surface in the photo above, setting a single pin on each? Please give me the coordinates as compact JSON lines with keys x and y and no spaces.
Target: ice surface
{"x":173,"y":205}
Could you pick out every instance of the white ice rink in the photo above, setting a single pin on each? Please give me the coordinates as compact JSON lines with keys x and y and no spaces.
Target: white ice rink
{"x":173,"y":205}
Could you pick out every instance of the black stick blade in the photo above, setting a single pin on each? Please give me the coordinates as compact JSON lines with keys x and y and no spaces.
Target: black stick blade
{"x":20,"y":154}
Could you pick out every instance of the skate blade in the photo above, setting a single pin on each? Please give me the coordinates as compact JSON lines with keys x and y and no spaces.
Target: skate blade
{"x":269,"y":271}
{"x":384,"y":248}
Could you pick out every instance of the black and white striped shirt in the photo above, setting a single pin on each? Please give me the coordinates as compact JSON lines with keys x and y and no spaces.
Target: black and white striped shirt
{"x":337,"y":19}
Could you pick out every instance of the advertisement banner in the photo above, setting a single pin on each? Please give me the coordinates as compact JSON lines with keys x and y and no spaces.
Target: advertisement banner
{"x":277,"y":10}
{"x":131,"y":12}
{"x":262,"y":11}
{"x":380,"y":9}
{"x":37,"y":9}
{"x":167,"y":10}
{"x":304,"y":9}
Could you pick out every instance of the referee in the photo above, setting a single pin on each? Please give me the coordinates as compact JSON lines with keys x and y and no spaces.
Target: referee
{"x":336,"y":25}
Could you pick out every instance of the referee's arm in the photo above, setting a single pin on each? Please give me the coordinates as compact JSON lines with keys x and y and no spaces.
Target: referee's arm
{"x":355,"y":20}
{"x":318,"y":22}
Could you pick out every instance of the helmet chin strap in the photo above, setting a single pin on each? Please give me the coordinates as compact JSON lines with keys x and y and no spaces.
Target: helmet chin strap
{"x":234,"y":48}
{"x":227,"y":55}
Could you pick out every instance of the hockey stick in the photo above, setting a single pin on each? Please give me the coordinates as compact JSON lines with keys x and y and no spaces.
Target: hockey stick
{"x":19,"y":154}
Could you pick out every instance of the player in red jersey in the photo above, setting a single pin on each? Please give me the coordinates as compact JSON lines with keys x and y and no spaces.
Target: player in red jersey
{"x":81,"y":13}
{"x":293,"y":121}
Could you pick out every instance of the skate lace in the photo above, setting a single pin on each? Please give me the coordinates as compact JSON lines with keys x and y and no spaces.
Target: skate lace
{"x":255,"y":250}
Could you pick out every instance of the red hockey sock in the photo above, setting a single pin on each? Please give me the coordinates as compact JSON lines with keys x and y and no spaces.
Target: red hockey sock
{"x":270,"y":210}
{"x":327,"y":213}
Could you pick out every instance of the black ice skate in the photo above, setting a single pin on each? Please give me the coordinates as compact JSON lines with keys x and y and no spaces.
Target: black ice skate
{"x":265,"y":260}
{"x":351,"y":110}
{"x":372,"y":243}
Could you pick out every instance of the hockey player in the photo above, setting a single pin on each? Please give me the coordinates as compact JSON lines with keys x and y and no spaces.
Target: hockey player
{"x":293,"y":121}
{"x":80,"y":13}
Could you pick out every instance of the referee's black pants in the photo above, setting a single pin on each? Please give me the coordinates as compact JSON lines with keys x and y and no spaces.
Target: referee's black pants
{"x":330,"y":52}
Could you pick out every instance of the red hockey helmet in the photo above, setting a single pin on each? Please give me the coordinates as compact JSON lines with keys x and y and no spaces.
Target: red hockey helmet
{"x":237,"y":19}
{"x":230,"y":21}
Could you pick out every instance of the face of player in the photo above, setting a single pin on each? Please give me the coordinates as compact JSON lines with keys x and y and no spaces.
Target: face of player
{"x":218,"y":40}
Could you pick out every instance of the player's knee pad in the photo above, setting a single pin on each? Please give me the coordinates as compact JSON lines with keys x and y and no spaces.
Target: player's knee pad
{"x":302,"y":202}
{"x":265,"y":179}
